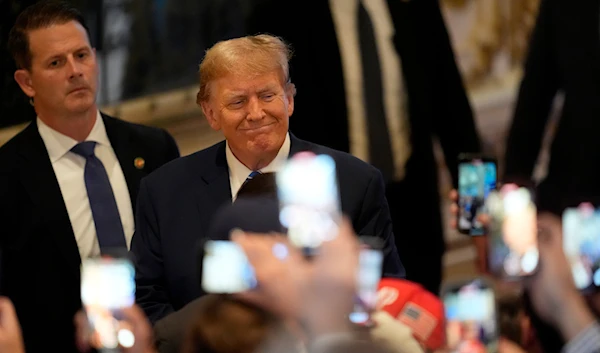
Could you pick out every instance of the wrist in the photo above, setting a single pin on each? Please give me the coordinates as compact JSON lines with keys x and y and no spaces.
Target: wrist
{"x":573,"y":317}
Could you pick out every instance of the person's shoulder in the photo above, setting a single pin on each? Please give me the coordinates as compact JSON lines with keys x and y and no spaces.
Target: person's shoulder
{"x":9,"y":151}
{"x":185,"y":167}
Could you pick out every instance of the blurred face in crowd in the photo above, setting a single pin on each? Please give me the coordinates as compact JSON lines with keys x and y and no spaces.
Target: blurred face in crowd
{"x":252,"y":111}
{"x":63,"y":75}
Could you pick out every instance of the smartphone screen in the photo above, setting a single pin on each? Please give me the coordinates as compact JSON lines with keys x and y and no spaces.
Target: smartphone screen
{"x":225,"y":268}
{"x":581,"y":241}
{"x":471,"y":320}
{"x":108,"y":286}
{"x":476,"y":179}
{"x":513,"y":251}
{"x":370,"y":265}
{"x":309,"y":200}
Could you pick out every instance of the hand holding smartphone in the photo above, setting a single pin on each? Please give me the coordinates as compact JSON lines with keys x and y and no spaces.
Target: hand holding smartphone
{"x":476,"y":179}
{"x":308,"y":193}
{"x":107,"y":287}
{"x":581,"y":243}
{"x":513,"y":251}
{"x":471,"y":317}
{"x":370,"y":268}
{"x":225,"y":268}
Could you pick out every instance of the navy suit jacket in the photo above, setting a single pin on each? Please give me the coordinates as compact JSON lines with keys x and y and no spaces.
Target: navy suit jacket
{"x":178,"y":201}
{"x":40,"y":259}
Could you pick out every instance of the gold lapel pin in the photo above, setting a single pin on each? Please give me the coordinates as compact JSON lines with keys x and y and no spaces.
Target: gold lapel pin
{"x":139,"y":163}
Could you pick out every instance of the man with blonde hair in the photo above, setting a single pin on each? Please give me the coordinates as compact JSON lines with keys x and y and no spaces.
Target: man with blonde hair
{"x":245,"y":92}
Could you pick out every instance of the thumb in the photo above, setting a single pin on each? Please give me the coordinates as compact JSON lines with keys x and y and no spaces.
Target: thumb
{"x":8,"y":316}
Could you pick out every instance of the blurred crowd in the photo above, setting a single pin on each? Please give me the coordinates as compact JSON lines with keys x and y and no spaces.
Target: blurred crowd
{"x":315,"y":225}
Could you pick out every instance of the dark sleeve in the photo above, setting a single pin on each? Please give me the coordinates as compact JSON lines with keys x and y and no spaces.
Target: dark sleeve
{"x":374,"y":220}
{"x":453,"y":118}
{"x":172,"y":151}
{"x":538,"y":89}
{"x":151,"y":293}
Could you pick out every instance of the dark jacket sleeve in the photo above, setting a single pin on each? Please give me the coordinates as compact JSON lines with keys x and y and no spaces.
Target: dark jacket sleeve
{"x":453,"y":118}
{"x":538,"y":88}
{"x":151,"y":293}
{"x":374,"y":220}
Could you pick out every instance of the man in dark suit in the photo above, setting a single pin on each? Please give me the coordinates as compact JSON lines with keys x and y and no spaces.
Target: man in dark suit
{"x":564,"y":56}
{"x":69,"y":181}
{"x":246,"y":92}
{"x":420,"y":89}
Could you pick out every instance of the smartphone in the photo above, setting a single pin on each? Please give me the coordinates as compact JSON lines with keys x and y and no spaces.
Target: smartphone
{"x":581,"y":242}
{"x":107,"y":287}
{"x":225,"y":268}
{"x":471,"y":317}
{"x":308,"y":193}
{"x":513,"y":251}
{"x":476,"y":179}
{"x":370,"y":268}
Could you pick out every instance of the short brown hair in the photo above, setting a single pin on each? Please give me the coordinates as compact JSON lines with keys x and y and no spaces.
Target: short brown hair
{"x":253,"y":55}
{"x":40,"y":15}
{"x":224,"y":324}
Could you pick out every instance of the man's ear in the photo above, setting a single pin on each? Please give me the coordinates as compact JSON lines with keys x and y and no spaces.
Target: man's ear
{"x":23,"y":78}
{"x":211,"y":115}
{"x":290,"y":93}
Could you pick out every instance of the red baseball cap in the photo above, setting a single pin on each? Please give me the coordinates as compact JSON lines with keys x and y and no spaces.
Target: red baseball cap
{"x":415,"y":307}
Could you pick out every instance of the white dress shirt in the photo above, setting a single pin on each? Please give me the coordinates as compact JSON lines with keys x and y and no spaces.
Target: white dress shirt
{"x":238,"y":172}
{"x":69,"y":168}
{"x":345,"y":18}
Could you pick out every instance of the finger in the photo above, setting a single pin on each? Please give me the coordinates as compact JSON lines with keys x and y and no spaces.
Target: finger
{"x":453,"y":195}
{"x":345,"y":241}
{"x":506,"y":346}
{"x":135,"y":315}
{"x":484,"y":219}
{"x":453,"y":223}
{"x":454,"y":209}
{"x":140,"y":327}
{"x":82,"y":331}
{"x":7,"y":310}
{"x":255,"y":247}
{"x":347,"y":231}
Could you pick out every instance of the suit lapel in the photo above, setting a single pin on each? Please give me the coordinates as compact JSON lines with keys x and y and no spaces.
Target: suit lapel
{"x":39,"y":180}
{"x":127,"y":153}
{"x":213,"y":182}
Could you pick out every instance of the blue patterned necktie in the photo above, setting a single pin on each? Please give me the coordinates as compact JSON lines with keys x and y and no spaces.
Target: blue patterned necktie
{"x":251,"y":176}
{"x":109,"y":228}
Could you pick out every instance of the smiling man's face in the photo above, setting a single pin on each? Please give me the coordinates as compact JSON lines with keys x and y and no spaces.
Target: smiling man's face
{"x":253,"y":112}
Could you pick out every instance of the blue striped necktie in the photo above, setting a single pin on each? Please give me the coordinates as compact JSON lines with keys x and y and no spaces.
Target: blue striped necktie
{"x":109,"y":228}
{"x":251,"y":176}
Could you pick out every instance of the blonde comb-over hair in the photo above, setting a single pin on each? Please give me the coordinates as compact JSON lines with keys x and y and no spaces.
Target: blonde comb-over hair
{"x":248,"y":56}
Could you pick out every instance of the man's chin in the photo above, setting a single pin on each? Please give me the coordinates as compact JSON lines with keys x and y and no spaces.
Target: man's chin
{"x":265,"y":143}
{"x":80,"y":107}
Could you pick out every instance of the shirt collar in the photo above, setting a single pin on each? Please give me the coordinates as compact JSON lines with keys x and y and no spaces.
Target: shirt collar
{"x":59,"y":144}
{"x":238,"y":172}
